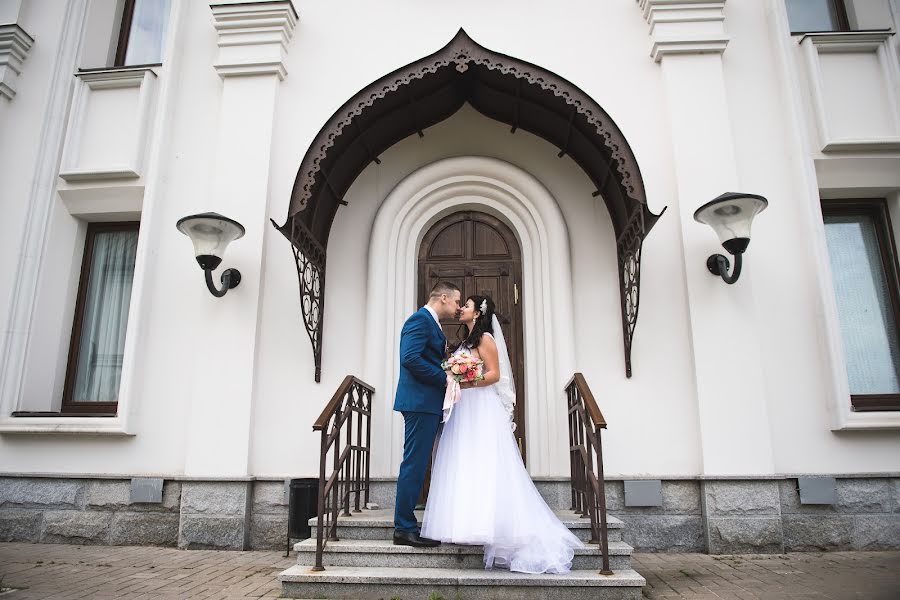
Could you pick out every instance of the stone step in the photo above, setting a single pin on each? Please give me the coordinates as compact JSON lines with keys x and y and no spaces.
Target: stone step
{"x":383,"y":553}
{"x":379,"y":525}
{"x":363,"y":583}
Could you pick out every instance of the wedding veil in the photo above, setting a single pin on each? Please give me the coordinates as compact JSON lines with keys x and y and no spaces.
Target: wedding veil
{"x":506,"y":387}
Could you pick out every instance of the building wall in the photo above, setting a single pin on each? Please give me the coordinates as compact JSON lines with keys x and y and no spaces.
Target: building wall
{"x":657,"y":425}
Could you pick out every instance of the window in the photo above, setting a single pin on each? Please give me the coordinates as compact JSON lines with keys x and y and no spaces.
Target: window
{"x":863,"y":261}
{"x":101,"y":316}
{"x":142,"y":34}
{"x":811,"y":16}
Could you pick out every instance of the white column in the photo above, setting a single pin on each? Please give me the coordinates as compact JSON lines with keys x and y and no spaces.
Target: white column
{"x":253,"y":42}
{"x":688,"y":39}
{"x":14,"y":45}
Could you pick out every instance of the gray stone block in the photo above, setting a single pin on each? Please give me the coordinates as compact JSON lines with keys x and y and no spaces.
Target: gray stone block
{"x":198,"y":532}
{"x":116,"y":495}
{"x":664,"y":533}
{"x":755,"y":535}
{"x":556,"y":494}
{"x":268,"y":532}
{"x":20,"y":525}
{"x":144,"y":529}
{"x":895,"y":486}
{"x":268,"y":498}
{"x":876,"y":532}
{"x":43,"y":493}
{"x":741,"y":498}
{"x":76,"y":527}
{"x":214,"y":497}
{"x":803,"y":533}
{"x":864,"y":496}
{"x":615,"y":496}
{"x":681,"y":497}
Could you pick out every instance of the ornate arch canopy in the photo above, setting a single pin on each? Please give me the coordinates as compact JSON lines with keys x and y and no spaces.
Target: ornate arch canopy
{"x":425,"y":92}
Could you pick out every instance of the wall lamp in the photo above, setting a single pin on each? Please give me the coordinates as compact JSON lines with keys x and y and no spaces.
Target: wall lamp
{"x":730,"y":216}
{"x":211,"y":233}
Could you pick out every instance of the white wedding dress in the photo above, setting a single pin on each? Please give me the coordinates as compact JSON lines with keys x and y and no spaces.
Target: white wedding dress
{"x":481,"y":493}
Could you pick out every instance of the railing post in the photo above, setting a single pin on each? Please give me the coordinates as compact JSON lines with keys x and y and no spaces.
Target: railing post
{"x":336,"y":473}
{"x":604,"y":537}
{"x":348,"y":464}
{"x":368,"y":452}
{"x":320,"y":525}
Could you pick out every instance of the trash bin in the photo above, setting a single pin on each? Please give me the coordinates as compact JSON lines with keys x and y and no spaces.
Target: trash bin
{"x":303,"y":504}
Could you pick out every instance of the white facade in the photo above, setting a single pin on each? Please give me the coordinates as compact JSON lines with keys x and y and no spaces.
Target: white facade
{"x":729,"y":381}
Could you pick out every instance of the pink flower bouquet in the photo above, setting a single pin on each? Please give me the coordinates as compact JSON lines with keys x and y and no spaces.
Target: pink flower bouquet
{"x":459,"y":367}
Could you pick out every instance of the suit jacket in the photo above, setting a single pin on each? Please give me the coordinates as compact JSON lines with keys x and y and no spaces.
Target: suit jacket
{"x":422,"y":381}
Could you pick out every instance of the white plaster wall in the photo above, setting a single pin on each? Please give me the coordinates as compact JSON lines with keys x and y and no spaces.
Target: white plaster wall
{"x":601,"y":47}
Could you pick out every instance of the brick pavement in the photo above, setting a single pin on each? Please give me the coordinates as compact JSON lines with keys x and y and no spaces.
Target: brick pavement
{"x":57,"y":572}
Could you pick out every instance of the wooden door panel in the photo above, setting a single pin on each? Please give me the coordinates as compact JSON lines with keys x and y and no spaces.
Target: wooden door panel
{"x":480,"y":255}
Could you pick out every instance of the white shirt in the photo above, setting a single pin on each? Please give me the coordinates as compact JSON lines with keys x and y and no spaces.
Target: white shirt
{"x":433,"y":314}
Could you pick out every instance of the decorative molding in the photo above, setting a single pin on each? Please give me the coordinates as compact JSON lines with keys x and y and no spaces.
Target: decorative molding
{"x":138,"y":114}
{"x":14,"y":46}
{"x":685,"y":26}
{"x":253,"y":37}
{"x":113,"y":426}
{"x":852,"y":42}
{"x":507,"y":192}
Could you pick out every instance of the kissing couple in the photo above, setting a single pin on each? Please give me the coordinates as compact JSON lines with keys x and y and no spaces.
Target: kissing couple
{"x":480,"y":492}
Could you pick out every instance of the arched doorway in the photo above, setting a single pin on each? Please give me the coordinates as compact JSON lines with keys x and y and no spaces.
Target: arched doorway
{"x":481,"y":255}
{"x":420,"y":94}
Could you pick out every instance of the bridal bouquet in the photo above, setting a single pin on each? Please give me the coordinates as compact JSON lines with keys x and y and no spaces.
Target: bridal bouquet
{"x":459,"y":367}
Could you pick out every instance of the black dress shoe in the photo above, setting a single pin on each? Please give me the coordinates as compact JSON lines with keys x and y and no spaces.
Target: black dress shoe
{"x":411,"y":538}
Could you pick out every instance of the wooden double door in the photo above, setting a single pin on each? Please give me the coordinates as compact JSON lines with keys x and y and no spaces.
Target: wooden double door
{"x":480,"y":254}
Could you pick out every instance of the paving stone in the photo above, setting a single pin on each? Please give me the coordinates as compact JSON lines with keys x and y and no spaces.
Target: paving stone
{"x":39,"y":492}
{"x":76,"y":527}
{"x":817,"y":532}
{"x":144,"y":529}
{"x":758,"y":535}
{"x":20,"y":525}
{"x":741,"y":498}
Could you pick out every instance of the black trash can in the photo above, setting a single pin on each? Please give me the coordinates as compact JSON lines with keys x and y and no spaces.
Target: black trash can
{"x":303,"y":504}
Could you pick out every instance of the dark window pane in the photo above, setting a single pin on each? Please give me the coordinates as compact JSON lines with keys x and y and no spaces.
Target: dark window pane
{"x":864,"y":304}
{"x":102,"y":342}
{"x":147,"y":34}
{"x":812,"y":15}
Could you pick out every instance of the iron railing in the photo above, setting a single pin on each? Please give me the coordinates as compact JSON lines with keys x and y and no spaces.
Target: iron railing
{"x":585,"y":455}
{"x":350,"y":459}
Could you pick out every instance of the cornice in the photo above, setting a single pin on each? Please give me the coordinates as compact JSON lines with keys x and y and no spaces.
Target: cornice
{"x":15,"y":43}
{"x":685,"y":26}
{"x":253,"y":37}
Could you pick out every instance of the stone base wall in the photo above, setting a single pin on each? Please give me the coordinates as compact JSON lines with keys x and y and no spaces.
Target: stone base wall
{"x":715,"y":516}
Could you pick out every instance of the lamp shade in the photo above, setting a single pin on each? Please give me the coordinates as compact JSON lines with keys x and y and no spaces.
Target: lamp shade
{"x":211,"y":233}
{"x":730,"y":215}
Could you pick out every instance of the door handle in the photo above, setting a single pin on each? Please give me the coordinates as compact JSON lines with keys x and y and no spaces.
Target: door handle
{"x":516,"y":293}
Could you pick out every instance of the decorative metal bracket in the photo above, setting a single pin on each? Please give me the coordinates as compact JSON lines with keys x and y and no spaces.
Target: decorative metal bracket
{"x":309,"y":258}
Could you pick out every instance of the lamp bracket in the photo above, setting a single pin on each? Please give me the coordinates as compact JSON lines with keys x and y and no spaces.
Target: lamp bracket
{"x":231,"y":278}
{"x":719,"y":264}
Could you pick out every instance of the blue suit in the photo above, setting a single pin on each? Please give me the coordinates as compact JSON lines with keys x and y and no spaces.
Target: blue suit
{"x":420,"y":398}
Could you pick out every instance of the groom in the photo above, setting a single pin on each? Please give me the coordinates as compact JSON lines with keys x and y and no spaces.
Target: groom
{"x":420,"y":399}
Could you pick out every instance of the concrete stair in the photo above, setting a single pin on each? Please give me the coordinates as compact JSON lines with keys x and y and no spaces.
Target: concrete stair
{"x":364,"y":563}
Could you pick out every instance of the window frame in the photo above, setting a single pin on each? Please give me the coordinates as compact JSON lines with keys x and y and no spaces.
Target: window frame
{"x":124,"y":33}
{"x":877,"y":209}
{"x":840,"y":13}
{"x":70,"y":406}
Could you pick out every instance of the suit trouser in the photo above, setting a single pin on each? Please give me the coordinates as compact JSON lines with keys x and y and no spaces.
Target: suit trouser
{"x":420,"y":430}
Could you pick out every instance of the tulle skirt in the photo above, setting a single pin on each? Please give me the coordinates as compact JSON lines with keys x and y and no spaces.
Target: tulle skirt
{"x":481,"y":493}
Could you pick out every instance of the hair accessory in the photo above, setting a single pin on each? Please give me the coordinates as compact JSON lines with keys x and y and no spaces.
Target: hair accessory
{"x":483,"y":308}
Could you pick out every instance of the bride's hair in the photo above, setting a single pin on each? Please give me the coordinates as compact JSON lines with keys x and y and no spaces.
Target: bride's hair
{"x":482,"y":323}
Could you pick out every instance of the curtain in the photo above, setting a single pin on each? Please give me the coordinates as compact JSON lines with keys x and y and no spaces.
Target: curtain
{"x":102,"y":342}
{"x":864,"y":306}
{"x":147,"y":36}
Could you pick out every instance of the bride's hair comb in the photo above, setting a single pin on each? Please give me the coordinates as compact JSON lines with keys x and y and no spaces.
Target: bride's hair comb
{"x":483,"y":308}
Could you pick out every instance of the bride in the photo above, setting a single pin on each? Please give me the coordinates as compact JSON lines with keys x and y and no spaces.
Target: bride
{"x":480,"y":492}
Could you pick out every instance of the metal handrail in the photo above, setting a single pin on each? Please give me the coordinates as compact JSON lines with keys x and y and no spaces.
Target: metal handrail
{"x":588,"y":487}
{"x":351,"y":463}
